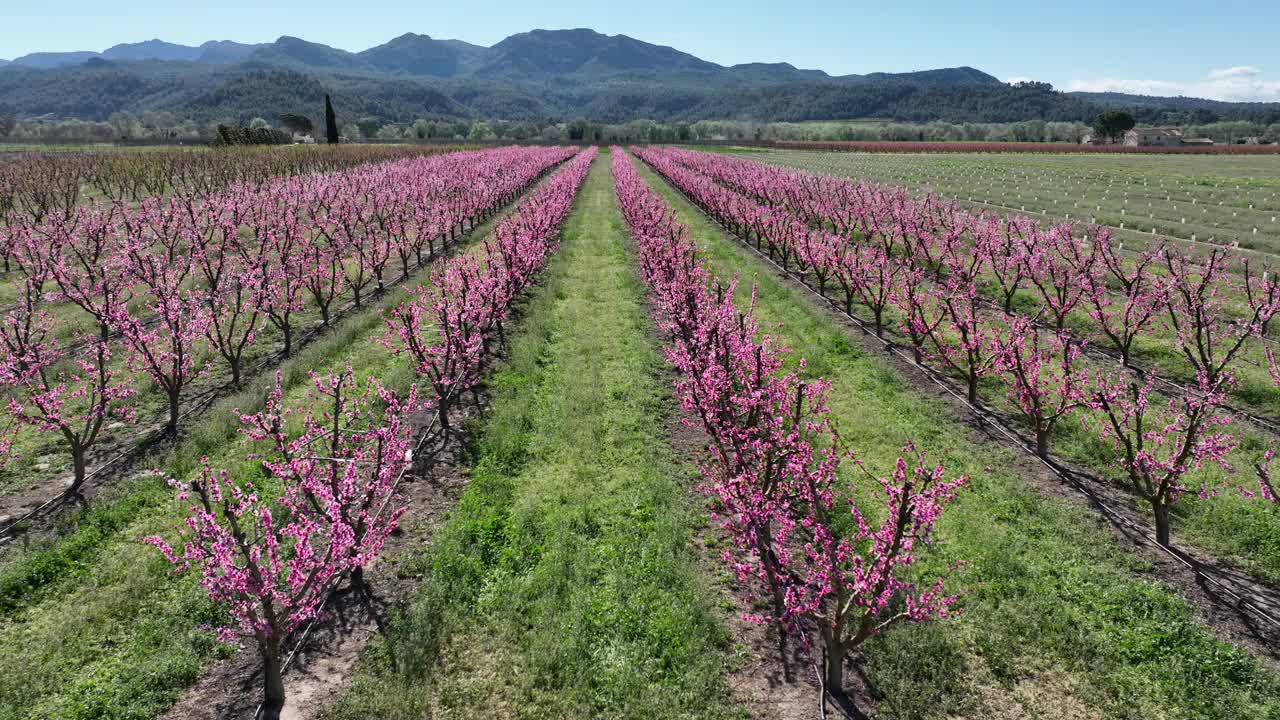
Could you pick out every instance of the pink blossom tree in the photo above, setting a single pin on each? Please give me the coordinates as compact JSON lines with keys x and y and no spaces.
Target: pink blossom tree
{"x":854,"y":584}
{"x":437,"y":330}
{"x":1266,"y":485}
{"x":271,"y":561}
{"x":55,"y":390}
{"x":1125,"y":313}
{"x":284,"y":281}
{"x":1044,"y":377}
{"x":234,"y":312}
{"x":323,"y":276}
{"x":963,"y":342}
{"x":868,"y":275}
{"x":1210,"y":333}
{"x":1160,"y":443}
{"x":162,"y":327}
{"x":1061,"y":271}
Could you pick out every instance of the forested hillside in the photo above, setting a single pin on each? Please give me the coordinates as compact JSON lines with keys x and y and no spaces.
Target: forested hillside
{"x":535,"y":76}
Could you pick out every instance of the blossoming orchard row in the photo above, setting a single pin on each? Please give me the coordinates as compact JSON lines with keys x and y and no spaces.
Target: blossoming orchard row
{"x":1010,"y":256}
{"x":774,"y":456}
{"x":181,"y":277}
{"x":271,"y":553}
{"x":928,"y":261}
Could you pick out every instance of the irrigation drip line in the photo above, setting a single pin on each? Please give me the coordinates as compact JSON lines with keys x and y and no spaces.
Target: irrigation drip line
{"x":204,"y":399}
{"x":988,"y":418}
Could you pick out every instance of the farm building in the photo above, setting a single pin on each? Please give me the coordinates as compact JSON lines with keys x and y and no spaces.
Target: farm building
{"x":1153,"y":136}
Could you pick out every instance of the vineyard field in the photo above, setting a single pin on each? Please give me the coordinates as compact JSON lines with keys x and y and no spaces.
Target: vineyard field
{"x":1214,"y":199}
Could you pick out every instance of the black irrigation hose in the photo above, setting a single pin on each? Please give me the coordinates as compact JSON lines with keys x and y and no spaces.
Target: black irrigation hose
{"x":205,"y":398}
{"x":988,"y":418}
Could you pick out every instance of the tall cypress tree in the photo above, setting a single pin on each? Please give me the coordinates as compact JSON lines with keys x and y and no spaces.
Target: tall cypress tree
{"x":330,"y":122}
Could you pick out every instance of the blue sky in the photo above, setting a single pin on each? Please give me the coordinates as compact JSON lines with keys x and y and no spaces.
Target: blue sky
{"x":1229,"y":49}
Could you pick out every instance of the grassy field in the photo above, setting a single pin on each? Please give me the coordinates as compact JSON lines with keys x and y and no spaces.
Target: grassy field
{"x":1058,"y":620}
{"x":563,"y":587}
{"x":1219,"y":199}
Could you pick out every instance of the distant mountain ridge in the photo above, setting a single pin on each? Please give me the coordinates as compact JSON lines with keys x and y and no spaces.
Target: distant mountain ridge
{"x":579,"y":51}
{"x":536,"y":75}
{"x":214,"y":52}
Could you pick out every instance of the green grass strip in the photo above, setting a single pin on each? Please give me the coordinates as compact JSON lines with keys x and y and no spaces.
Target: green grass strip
{"x":563,"y":586}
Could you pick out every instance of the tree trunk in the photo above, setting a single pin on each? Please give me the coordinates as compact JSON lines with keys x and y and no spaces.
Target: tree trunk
{"x":834,"y":680}
{"x":973,"y":388}
{"x":235,"y":371}
{"x":443,"y":411}
{"x":78,"y":465}
{"x":174,"y":395}
{"x":1162,"y":521}
{"x":779,"y":604}
{"x":1042,"y":443}
{"x":288,"y":339}
{"x":272,"y":682}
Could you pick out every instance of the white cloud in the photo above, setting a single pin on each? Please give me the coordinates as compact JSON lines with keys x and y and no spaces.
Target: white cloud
{"x":1017,"y":79}
{"x":1237,"y":84}
{"x":1234,"y":72}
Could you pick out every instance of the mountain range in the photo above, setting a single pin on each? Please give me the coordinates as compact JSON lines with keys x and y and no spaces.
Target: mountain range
{"x":214,"y":52}
{"x":537,"y":75}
